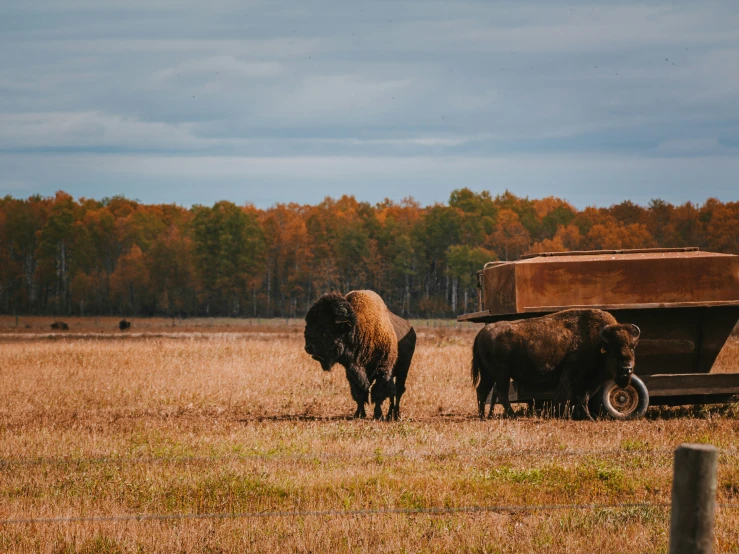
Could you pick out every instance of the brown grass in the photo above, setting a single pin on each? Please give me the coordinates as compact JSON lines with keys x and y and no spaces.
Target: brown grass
{"x":238,"y":421}
{"x":728,"y":358}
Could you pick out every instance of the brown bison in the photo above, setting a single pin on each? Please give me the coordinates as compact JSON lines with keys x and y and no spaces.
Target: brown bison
{"x":123,"y":325}
{"x":575,"y":351}
{"x":374,"y":345}
{"x":60,"y":326}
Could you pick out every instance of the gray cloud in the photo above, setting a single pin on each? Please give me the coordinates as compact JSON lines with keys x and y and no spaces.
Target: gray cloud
{"x":185,"y":101}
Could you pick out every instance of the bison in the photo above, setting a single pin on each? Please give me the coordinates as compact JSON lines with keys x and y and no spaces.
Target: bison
{"x":60,"y":326}
{"x":575,"y":351}
{"x":374,"y":345}
{"x":123,"y":325}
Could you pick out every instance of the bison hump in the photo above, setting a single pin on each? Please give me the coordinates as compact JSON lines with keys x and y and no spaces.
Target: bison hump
{"x":375,"y":332}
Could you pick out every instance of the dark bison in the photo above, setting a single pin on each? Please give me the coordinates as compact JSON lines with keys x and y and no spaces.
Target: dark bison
{"x":123,"y":325}
{"x":374,"y":345}
{"x":575,"y":351}
{"x":60,"y":326}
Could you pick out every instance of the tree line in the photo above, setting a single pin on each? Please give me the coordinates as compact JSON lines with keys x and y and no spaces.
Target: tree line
{"x":117,"y":256}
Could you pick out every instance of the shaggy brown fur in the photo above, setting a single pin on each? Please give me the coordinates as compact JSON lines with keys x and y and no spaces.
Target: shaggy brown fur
{"x":575,"y":351}
{"x":374,"y":333}
{"x":374,"y":345}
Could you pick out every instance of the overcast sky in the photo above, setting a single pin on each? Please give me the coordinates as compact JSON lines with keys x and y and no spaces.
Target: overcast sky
{"x":275,"y":101}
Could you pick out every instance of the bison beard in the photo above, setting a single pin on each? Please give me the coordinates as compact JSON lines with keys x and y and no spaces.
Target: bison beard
{"x":575,"y":351}
{"x":374,"y":345}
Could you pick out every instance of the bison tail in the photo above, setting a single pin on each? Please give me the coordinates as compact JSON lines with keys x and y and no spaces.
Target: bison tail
{"x":475,"y":369}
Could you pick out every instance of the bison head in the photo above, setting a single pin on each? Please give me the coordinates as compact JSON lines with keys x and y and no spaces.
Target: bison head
{"x":328,"y":325}
{"x":617,"y":345}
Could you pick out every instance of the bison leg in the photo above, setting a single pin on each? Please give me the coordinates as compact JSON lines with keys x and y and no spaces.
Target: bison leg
{"x":359,"y":386}
{"x":493,"y":398}
{"x":563,"y":399}
{"x":502,"y":387}
{"x":484,"y":387}
{"x":393,"y":411}
{"x":399,"y":390}
{"x":382,"y":389}
{"x":360,"y":397}
{"x":406,"y":348}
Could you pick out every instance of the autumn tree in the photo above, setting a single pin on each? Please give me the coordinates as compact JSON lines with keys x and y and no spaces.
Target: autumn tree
{"x":129,"y":283}
{"x":398,"y":259}
{"x":567,"y":238}
{"x":463,"y":263}
{"x":289,"y":256}
{"x":510,"y":238}
{"x":55,"y":243}
{"x":172,"y":272}
{"x":611,"y":235}
{"x":228,"y":245}
{"x":24,"y":220}
{"x":722,"y":231}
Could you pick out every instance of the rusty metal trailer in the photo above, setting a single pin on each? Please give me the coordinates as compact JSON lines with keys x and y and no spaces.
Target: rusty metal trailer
{"x":685,"y":301}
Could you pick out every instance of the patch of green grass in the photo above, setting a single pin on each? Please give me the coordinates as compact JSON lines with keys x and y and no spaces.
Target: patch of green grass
{"x":613,"y":477}
{"x":100,"y":544}
{"x":157,"y":444}
{"x":631,"y":445}
{"x":379,"y":458}
{"x":613,"y":519}
{"x":507,"y":474}
{"x":411,"y":500}
{"x":222,"y":491}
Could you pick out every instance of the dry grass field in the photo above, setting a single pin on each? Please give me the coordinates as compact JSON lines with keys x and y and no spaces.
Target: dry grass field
{"x":201,"y":419}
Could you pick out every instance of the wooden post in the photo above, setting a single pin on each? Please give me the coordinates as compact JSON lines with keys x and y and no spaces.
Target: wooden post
{"x":693,"y":499}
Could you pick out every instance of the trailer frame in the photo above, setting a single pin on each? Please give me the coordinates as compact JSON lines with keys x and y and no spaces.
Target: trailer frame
{"x":678,"y":347}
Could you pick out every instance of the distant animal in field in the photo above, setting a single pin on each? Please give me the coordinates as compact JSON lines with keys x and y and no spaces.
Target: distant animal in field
{"x":124,"y":325}
{"x":60,"y":326}
{"x":575,"y":351}
{"x":374,"y":345}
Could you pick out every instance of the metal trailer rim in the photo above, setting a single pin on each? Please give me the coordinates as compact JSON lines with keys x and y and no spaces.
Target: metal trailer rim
{"x":624,"y":403}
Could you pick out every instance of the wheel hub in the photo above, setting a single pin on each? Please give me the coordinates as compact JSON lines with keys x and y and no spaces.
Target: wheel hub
{"x":625,"y":400}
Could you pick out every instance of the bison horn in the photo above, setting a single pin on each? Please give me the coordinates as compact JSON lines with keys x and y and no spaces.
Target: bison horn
{"x":638,"y":331}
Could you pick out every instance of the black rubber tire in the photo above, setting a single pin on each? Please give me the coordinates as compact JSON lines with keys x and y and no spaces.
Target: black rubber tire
{"x":624,"y":404}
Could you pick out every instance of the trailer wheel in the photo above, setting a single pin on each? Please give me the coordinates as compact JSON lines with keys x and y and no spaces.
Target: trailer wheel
{"x":630,"y":402}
